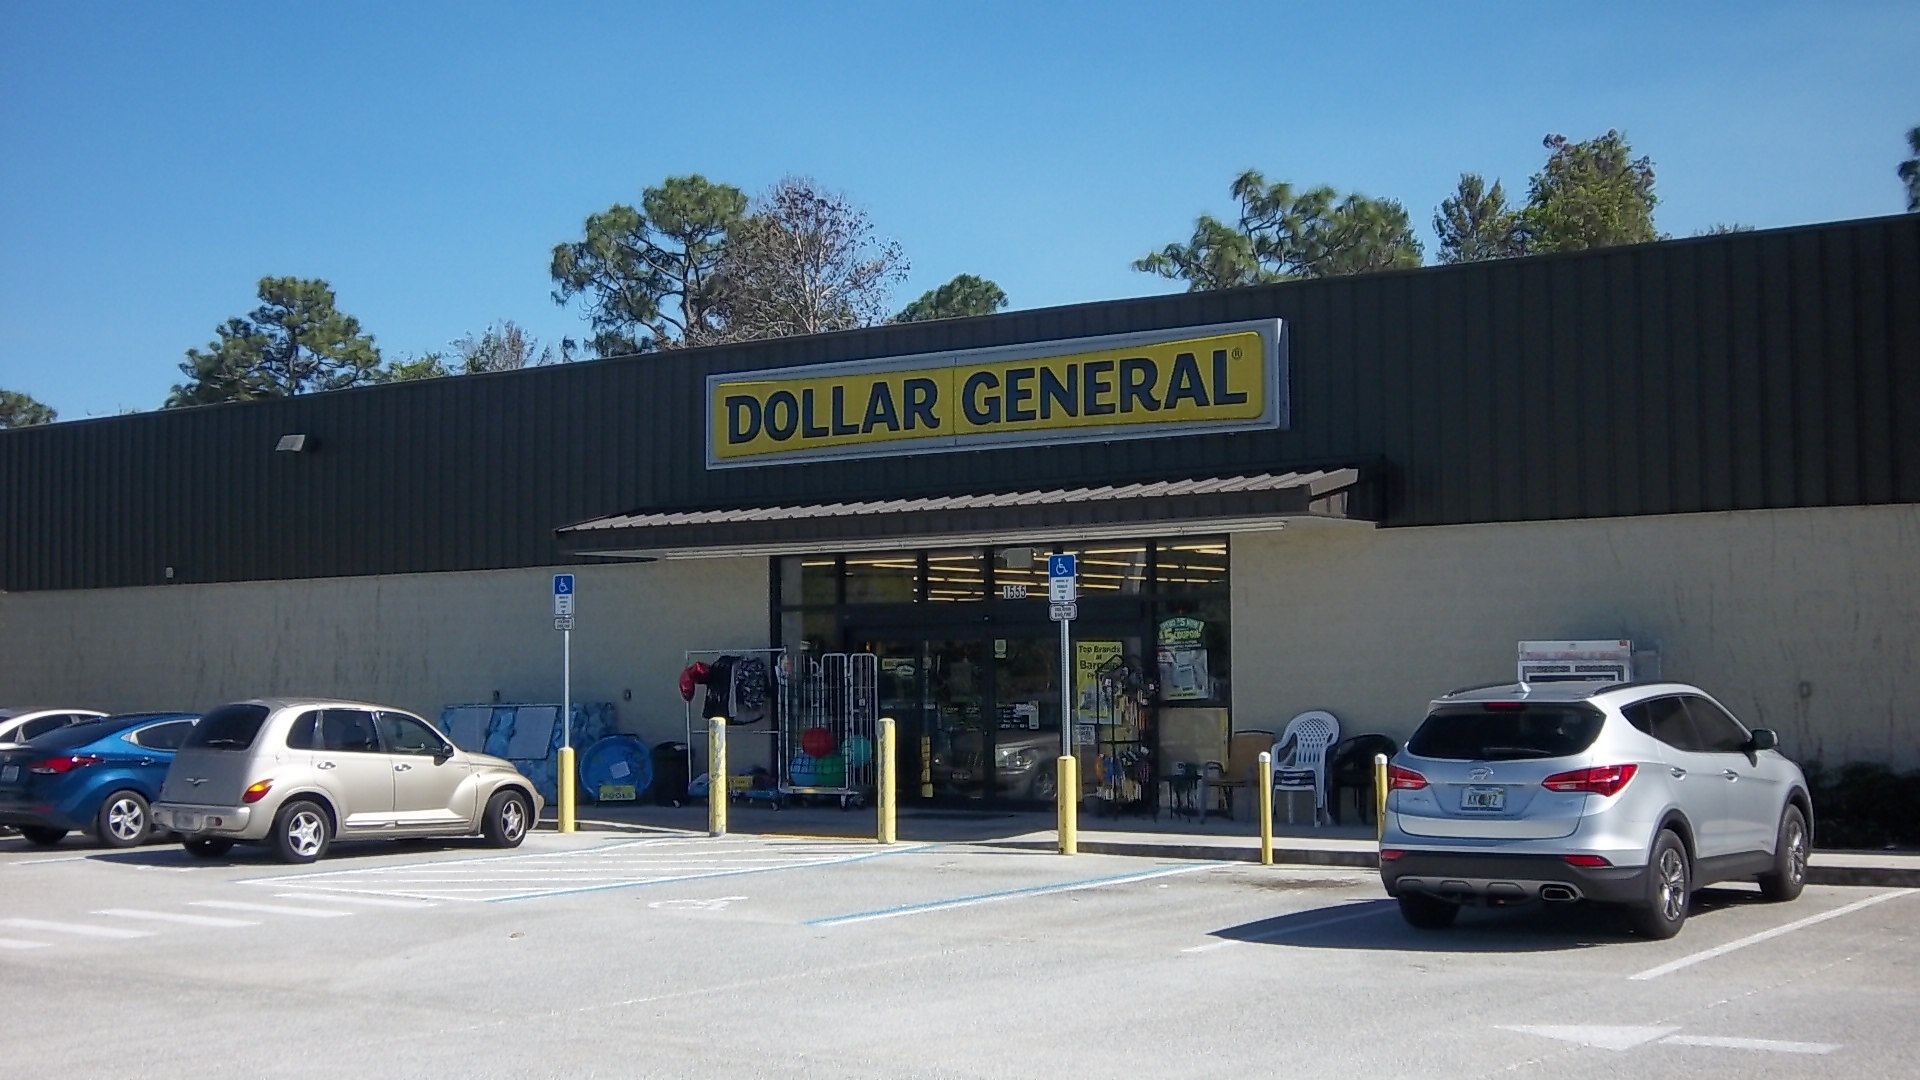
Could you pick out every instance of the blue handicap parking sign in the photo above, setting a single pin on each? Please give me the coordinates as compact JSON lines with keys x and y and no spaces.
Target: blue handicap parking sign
{"x":1060,"y":566}
{"x":563,"y":584}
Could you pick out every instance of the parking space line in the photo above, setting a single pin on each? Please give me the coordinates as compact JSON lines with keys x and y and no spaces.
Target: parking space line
{"x":1764,"y":935}
{"x":81,"y":929}
{"x":174,"y":917}
{"x":357,"y":898}
{"x":270,"y":909}
{"x":1287,"y":931}
{"x":16,"y":943}
{"x":1771,"y":1045}
{"x":1009,"y":894}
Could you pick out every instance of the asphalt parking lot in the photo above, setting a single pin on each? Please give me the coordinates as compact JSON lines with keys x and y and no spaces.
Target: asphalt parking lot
{"x":601,"y":955}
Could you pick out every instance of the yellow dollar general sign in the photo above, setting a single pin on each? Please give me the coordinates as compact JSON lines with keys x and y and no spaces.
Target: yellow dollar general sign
{"x":1126,"y":386}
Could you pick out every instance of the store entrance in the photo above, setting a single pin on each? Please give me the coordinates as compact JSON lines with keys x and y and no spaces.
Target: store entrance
{"x":980,"y":717}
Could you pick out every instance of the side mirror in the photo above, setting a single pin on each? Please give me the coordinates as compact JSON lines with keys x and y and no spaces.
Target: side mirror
{"x":1763,"y":739}
{"x":443,"y":755}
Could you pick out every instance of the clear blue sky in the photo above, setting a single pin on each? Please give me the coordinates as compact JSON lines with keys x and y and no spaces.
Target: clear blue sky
{"x":156,"y":160}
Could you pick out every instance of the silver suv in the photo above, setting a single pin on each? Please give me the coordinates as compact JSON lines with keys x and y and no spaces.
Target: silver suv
{"x":1632,"y":794}
{"x":297,"y":774}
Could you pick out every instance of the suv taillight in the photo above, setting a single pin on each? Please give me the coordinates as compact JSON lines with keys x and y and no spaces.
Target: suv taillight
{"x":1599,"y":780}
{"x":1399,"y":779}
{"x":60,"y":766}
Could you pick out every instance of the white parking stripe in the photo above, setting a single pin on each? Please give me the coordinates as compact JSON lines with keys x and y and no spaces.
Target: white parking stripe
{"x":271,"y":909}
{"x":174,"y":917}
{"x":355,"y":898}
{"x":1772,"y":1045}
{"x":16,"y":943}
{"x":1764,"y":935}
{"x":81,"y":929}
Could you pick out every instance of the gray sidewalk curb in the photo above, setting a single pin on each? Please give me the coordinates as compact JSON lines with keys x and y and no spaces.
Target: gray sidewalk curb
{"x":1871,"y":876}
{"x":1361,"y":858}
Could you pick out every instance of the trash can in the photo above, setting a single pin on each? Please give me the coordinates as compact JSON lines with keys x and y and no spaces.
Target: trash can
{"x":670,"y":773}
{"x":618,"y":768}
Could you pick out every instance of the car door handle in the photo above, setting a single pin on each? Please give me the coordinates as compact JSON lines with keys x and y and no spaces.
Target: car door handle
{"x":1678,"y":773}
{"x":144,"y":761}
{"x":1730,"y":774}
{"x":402,"y":767}
{"x":323,"y":764}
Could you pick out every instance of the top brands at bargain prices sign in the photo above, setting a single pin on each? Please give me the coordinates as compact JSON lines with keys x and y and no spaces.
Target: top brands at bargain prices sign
{"x":1204,"y":379}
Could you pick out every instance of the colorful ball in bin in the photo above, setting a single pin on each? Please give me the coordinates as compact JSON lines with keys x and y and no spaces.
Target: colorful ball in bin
{"x":800,"y":770}
{"x":858,"y":751}
{"x":817,"y":742}
{"x":830,"y":771}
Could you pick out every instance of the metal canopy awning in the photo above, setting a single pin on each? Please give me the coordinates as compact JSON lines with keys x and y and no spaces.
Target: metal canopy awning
{"x":1251,"y":502}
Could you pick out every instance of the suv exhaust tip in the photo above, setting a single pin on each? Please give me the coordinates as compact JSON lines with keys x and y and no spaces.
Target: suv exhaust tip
{"x":1558,"y":894}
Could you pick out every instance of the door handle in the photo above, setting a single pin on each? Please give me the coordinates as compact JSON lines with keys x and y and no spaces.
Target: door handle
{"x":402,"y":767}
{"x":1678,"y":773}
{"x":1730,"y":774}
{"x":323,"y":764}
{"x":144,"y":761}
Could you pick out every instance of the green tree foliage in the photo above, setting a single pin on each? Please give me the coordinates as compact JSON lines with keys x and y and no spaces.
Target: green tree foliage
{"x":1590,"y":194}
{"x":1723,"y":228}
{"x":1475,"y":223}
{"x":1910,"y":171}
{"x":965,"y":295}
{"x":645,"y":275}
{"x":19,"y":410}
{"x":1282,"y":235}
{"x":296,"y":342}
{"x":431,"y":365}
{"x":806,"y":261}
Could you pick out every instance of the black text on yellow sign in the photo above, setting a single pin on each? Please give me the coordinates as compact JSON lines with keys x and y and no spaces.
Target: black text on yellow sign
{"x":1131,"y":386}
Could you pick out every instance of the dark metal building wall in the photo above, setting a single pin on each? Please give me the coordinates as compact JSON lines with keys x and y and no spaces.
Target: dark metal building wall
{"x":1770,"y":369}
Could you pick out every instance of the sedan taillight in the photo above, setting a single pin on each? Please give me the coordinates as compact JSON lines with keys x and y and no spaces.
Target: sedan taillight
{"x":1599,"y":780}
{"x":60,"y":766}
{"x":1399,"y":779}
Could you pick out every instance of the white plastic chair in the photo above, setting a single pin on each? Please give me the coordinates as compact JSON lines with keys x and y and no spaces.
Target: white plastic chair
{"x":1304,"y":768}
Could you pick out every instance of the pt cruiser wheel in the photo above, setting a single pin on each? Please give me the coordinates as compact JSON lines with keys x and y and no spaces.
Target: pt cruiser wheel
{"x":505,"y":824}
{"x":301,"y":832}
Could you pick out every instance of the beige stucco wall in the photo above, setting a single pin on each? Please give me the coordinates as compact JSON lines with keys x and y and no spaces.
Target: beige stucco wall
{"x":416,"y":641}
{"x":1806,"y":621}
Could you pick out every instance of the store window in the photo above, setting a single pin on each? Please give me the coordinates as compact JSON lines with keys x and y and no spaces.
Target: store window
{"x":956,"y":576}
{"x":816,"y":631}
{"x":1020,"y":572}
{"x":1111,"y":569}
{"x":809,"y":581}
{"x":883,"y":579}
{"x":1191,"y":651}
{"x":1190,"y":565}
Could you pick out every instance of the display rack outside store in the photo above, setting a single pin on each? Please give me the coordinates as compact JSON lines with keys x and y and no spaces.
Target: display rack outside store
{"x":829,"y":727}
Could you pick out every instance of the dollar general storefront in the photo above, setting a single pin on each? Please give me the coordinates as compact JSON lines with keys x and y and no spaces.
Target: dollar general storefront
{"x":1346,"y":495}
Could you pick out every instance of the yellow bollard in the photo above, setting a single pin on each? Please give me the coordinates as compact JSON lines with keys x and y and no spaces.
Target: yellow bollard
{"x":926,"y":766}
{"x":888,"y":832}
{"x":1266,"y":808}
{"x":1067,"y":794}
{"x":718,"y":791}
{"x":565,"y":781}
{"x":1379,"y":797}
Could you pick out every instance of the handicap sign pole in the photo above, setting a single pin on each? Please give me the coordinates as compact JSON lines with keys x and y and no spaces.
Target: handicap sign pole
{"x":1062,"y":606}
{"x":563,"y":622}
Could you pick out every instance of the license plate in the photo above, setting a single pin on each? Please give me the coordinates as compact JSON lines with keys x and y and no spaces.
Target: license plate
{"x":1483,"y":798}
{"x":617,"y":793}
{"x":9,"y":774}
{"x":186,"y":822}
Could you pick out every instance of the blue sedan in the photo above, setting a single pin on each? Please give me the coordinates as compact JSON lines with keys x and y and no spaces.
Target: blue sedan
{"x":96,"y":776}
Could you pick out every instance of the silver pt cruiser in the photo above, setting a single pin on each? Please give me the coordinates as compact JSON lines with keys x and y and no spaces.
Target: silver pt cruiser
{"x":298,"y":774}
